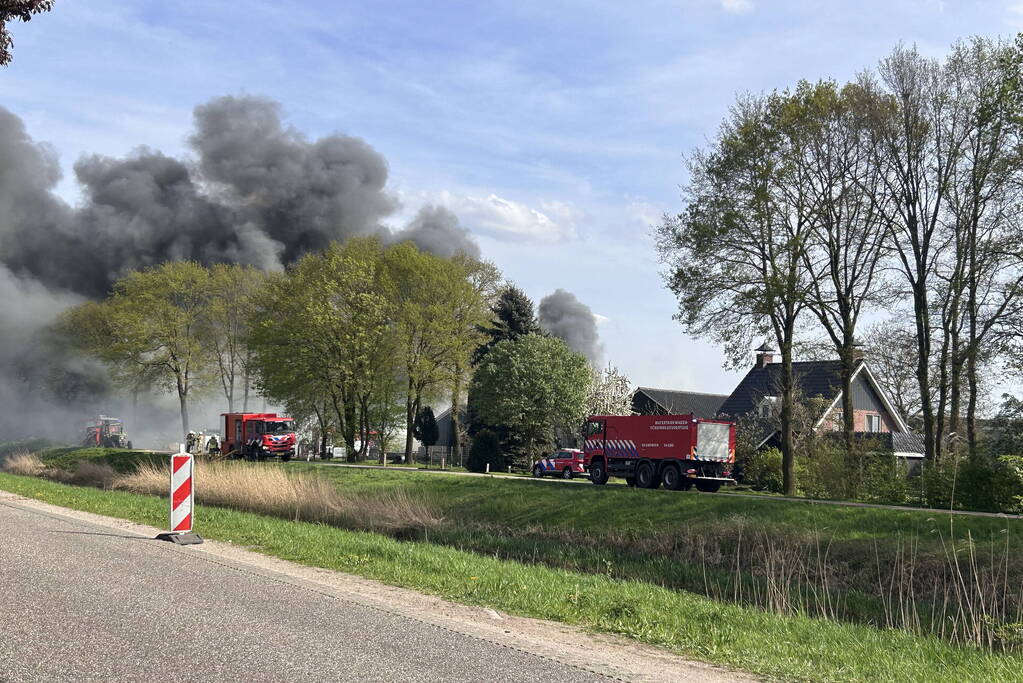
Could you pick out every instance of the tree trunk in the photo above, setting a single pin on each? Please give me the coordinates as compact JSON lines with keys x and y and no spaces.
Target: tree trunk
{"x":456,"y":396}
{"x":787,"y":396}
{"x":848,"y":415}
{"x":409,"y":419}
{"x":183,"y":400}
{"x":245,"y":394}
{"x":955,"y":399}
{"x":923,"y":342}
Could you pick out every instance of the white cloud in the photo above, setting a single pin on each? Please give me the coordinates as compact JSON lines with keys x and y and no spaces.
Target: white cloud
{"x":507,"y":220}
{"x":737,"y":6}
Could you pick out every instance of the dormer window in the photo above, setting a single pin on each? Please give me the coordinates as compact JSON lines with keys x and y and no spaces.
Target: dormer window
{"x":767,"y":406}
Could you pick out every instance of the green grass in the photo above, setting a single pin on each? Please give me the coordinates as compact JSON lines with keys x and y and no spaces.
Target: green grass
{"x":586,"y":508}
{"x":120,"y":459}
{"x":784,"y":647}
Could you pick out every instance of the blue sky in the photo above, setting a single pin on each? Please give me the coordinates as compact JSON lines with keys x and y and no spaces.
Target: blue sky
{"x":554,"y":129}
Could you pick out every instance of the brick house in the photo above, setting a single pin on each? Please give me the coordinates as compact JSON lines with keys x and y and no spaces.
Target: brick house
{"x":818,"y":384}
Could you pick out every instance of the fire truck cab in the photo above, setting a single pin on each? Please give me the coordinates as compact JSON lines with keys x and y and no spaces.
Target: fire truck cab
{"x":648,"y":450}
{"x":258,"y":436}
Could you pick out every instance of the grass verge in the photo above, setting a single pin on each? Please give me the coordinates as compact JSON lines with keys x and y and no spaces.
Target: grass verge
{"x":786,"y":647}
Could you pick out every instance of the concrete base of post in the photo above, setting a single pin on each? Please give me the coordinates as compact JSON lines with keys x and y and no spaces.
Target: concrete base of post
{"x":178,"y":538}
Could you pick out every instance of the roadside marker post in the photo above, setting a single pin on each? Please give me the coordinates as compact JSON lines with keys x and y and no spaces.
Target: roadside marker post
{"x":182,"y":490}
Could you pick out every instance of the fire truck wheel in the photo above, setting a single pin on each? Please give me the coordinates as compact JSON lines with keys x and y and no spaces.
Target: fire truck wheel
{"x":538,"y":471}
{"x":672,"y":477}
{"x":285,"y":457}
{"x":646,"y":478}
{"x":566,"y":473}
{"x":705,"y":486}
{"x":598,"y":475}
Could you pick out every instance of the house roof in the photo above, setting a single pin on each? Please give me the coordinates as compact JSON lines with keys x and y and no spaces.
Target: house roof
{"x":701,"y":405}
{"x":813,"y":379}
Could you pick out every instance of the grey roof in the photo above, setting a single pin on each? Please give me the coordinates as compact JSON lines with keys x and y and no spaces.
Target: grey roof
{"x":908,"y":442}
{"x":813,"y":378}
{"x":701,"y":405}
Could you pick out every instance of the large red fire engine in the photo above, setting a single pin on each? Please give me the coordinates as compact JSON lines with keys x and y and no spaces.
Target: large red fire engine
{"x":257,"y":436}
{"x":648,"y":450}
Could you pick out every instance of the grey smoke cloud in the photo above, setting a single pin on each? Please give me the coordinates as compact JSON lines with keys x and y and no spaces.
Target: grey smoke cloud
{"x":568,"y":319}
{"x":255,"y":191}
{"x":260,"y":193}
{"x":437,"y":230}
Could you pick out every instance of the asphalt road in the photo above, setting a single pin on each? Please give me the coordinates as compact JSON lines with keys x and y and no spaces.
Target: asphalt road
{"x":81,"y":602}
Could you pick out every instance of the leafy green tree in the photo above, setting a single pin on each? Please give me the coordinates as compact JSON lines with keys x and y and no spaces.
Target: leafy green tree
{"x":471,"y":312}
{"x":17,"y":9}
{"x":326,"y":329}
{"x":153,"y":328}
{"x":427,"y":292}
{"x":735,"y":256}
{"x":529,"y":386}
{"x":425,"y":427}
{"x":232,"y":307}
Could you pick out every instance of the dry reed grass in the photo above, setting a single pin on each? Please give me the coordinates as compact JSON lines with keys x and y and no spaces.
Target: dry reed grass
{"x":270,"y":490}
{"x":85,"y":472}
{"x":24,"y":464}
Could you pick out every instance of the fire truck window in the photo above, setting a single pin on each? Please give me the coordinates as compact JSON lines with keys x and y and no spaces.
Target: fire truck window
{"x":279,"y":427}
{"x":593,"y":428}
{"x":250,"y":430}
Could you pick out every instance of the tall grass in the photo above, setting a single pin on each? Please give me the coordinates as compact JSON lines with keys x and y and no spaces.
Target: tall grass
{"x":25,"y":464}
{"x":82,"y":473}
{"x":301,"y":497}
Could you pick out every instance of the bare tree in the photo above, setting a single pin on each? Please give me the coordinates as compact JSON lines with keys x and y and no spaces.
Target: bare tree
{"x":849,"y":227}
{"x":919,"y":130}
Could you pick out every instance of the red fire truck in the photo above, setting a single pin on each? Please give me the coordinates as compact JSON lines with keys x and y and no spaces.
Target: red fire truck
{"x":648,"y":450}
{"x":258,"y":436}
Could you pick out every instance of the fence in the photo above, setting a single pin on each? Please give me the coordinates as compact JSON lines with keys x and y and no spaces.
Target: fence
{"x":440,"y":457}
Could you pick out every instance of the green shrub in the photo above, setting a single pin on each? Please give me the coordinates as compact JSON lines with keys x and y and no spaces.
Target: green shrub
{"x":485,"y":449}
{"x":980,"y":483}
{"x":762,"y":470}
{"x":870,"y":473}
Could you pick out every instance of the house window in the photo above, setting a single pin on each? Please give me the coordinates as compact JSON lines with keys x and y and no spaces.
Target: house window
{"x":873,"y":423}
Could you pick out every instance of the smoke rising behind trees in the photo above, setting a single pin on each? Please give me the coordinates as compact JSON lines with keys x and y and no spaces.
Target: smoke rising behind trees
{"x":572,"y":321}
{"x":255,"y":191}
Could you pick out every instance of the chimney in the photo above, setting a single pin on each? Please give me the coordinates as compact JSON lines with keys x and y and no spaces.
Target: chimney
{"x":765,"y":356}
{"x":859,"y":352}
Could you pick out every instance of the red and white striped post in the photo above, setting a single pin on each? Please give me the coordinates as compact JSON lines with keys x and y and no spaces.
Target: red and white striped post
{"x":182,"y":492}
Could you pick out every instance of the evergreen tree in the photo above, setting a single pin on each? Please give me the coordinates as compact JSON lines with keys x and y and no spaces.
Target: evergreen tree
{"x":513,"y":317}
{"x":424,"y":428}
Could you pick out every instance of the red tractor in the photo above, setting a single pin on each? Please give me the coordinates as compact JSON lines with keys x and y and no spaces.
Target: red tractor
{"x":258,"y":436}
{"x":106,"y":432}
{"x":649,"y":450}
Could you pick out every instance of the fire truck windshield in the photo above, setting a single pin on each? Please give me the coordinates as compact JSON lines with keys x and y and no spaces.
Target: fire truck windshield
{"x":279,"y":427}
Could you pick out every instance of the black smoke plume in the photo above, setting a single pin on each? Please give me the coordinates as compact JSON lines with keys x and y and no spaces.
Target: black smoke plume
{"x":572,"y":321}
{"x":256,"y":192}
